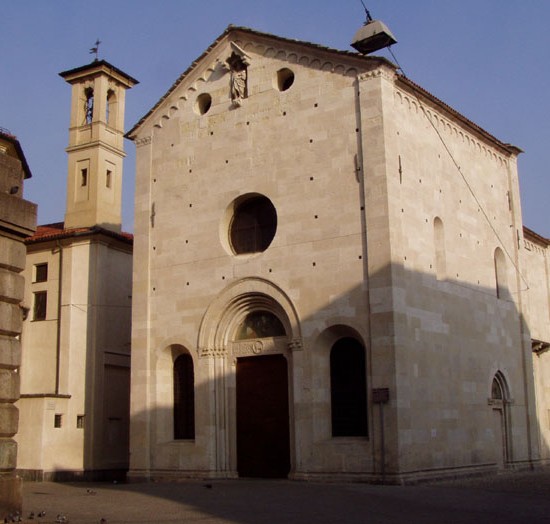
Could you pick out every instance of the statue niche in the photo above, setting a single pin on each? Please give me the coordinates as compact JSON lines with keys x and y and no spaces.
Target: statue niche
{"x":238,"y":63}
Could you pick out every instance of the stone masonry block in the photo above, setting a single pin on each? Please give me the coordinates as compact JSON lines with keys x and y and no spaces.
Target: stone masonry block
{"x":11,"y":174}
{"x":10,"y":352}
{"x":8,"y":454}
{"x":9,"y":420}
{"x":12,"y":286}
{"x":10,"y":319}
{"x":18,"y":213}
{"x":11,"y":499}
{"x":12,"y":254}
{"x":9,"y":385}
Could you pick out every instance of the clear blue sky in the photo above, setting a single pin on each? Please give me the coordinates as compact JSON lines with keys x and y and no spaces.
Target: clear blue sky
{"x":489,"y":59}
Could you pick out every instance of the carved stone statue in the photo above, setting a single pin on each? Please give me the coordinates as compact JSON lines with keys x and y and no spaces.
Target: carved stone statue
{"x":238,"y":62}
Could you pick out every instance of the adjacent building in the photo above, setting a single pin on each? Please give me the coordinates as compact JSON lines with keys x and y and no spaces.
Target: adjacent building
{"x":331,"y":277}
{"x":17,"y":222}
{"x":75,"y":370}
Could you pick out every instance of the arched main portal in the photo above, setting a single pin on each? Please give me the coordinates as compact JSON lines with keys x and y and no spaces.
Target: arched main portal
{"x":263,"y":422}
{"x":251,"y":333}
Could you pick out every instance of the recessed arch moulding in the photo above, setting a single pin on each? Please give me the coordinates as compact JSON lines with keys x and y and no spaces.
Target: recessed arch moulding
{"x":229,"y":308}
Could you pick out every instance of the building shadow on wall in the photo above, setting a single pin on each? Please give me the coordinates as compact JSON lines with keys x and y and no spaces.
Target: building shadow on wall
{"x":453,"y":359}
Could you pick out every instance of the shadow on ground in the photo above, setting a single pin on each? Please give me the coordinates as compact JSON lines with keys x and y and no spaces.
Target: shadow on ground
{"x":506,"y":498}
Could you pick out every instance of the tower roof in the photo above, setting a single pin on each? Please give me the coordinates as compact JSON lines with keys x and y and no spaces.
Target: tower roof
{"x":95,"y":67}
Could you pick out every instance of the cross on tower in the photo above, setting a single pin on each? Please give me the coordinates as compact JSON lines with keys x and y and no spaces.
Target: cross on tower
{"x":95,"y":49}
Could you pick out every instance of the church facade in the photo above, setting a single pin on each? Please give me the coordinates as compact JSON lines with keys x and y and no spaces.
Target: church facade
{"x":328,"y":277}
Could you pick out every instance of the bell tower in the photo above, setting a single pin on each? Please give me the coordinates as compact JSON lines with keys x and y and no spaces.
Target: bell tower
{"x":96,"y":145}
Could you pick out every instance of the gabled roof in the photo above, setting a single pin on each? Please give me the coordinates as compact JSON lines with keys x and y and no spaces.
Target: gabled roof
{"x":57,"y":231}
{"x":233,"y":29}
{"x":348,"y":55}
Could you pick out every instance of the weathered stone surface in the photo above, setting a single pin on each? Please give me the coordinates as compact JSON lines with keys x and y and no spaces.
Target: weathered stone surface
{"x":9,"y":385}
{"x":8,"y":454}
{"x":10,"y":319}
{"x":11,"y":499}
{"x":19,"y":213}
{"x":10,"y":352}
{"x":17,"y":221}
{"x":9,"y":418}
{"x":12,"y":286}
{"x":12,"y":254}
{"x":11,"y":180}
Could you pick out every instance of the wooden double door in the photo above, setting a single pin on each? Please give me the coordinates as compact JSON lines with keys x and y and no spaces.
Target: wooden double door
{"x":263,"y":432}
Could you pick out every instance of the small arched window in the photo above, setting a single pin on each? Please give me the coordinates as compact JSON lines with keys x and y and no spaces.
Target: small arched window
{"x":88,"y":105}
{"x":499,"y":388}
{"x":184,"y":398}
{"x":111,"y":108}
{"x":496,"y":390}
{"x":348,"y":388}
{"x":439,"y":245}
{"x":260,"y":324}
{"x":500,"y":274}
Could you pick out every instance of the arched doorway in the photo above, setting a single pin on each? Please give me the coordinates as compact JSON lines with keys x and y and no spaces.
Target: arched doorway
{"x":498,"y":401}
{"x":263,"y":432}
{"x":251,"y":333}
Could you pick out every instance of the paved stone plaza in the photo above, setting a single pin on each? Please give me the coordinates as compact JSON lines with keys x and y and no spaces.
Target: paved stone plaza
{"x":506,"y":498}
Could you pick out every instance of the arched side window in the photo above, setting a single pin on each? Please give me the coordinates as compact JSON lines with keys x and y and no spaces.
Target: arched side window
{"x":501,"y":280}
{"x":260,"y":324}
{"x":439,"y":249}
{"x":348,"y":388}
{"x":499,"y":388}
{"x":88,"y":105}
{"x":110,"y":108}
{"x":184,"y":398}
{"x":496,"y":390}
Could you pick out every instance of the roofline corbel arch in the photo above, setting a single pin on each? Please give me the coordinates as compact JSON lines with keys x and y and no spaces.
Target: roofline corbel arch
{"x":231,"y":306}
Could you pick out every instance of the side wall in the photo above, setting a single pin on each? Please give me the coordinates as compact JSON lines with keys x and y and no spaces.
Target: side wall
{"x":455,"y":214}
{"x":536,"y":264}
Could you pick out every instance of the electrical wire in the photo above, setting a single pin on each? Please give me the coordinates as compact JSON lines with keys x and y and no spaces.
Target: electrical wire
{"x":457,"y":166}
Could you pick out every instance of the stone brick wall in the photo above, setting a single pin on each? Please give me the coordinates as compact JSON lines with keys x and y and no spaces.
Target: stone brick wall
{"x":17,"y":220}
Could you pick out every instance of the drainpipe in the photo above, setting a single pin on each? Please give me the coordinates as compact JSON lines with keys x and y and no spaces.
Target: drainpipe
{"x":58,"y":334}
